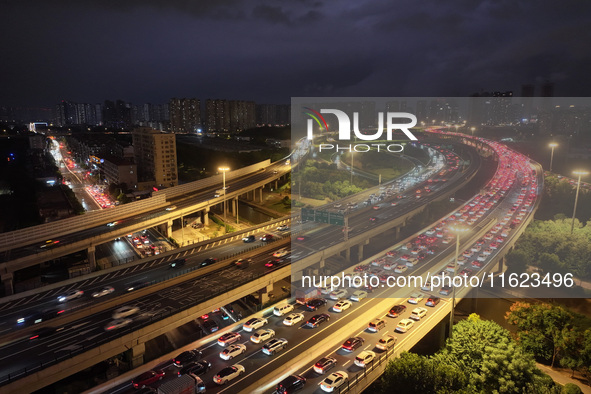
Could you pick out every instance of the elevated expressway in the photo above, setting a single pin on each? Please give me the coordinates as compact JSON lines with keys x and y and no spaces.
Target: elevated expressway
{"x":87,"y":351}
{"x":30,"y":246}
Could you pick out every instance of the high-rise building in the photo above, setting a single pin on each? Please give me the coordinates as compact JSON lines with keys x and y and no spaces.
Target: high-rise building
{"x":242,"y":115}
{"x":185,"y":115}
{"x":218,"y":115}
{"x":155,"y":156}
{"x":272,"y":114}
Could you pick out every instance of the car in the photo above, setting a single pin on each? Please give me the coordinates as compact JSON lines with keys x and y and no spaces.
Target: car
{"x":70,"y":295}
{"x":274,"y":263}
{"x":301,"y":238}
{"x":111,"y":224}
{"x":208,"y":261}
{"x":284,"y":227}
{"x":317,"y":320}
{"x":146,"y":378}
{"x":242,"y":263}
{"x":418,"y":313}
{"x":445,"y":290}
{"x":341,"y":306}
{"x":358,"y":295}
{"x":125,"y":311}
{"x":404,"y":325}
{"x":400,"y":268}
{"x":229,"y":338}
{"x":196,"y":368}
{"x":232,"y":351}
{"x":334,"y":381}
{"x":325,"y":364}
{"x":281,"y":253}
{"x":267,"y":237}
{"x":228,"y":373}
{"x":364,"y":358}
{"x":373,"y":219}
{"x":396,"y":310}
{"x":187,"y":357}
{"x":44,"y":332}
{"x":274,"y":345}
{"x":415,"y":298}
{"x":293,"y":318}
{"x":254,"y":324}
{"x":137,"y":285}
{"x":376,"y":207}
{"x":210,"y":326}
{"x":262,"y":335}
{"x":103,"y":292}
{"x":352,"y":343}
{"x":386,"y":342}
{"x":117,"y":323}
{"x":290,"y":384}
{"x":282,"y":309}
{"x":335,"y":295}
{"x":315,"y":303}
{"x":433,"y":301}
{"x":249,"y":238}
{"x":177,"y":263}
{"x":171,"y":208}
{"x":376,"y":325}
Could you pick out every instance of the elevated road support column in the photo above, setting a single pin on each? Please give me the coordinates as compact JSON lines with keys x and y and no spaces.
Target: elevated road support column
{"x":205,"y":216}
{"x":261,"y":195}
{"x":264,"y":294}
{"x":360,"y":249}
{"x":91,"y":253}
{"x":136,"y":355}
{"x":7,"y":281}
{"x":169,"y":229}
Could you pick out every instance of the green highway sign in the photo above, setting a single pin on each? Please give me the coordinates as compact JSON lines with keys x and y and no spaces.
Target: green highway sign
{"x":321,"y":216}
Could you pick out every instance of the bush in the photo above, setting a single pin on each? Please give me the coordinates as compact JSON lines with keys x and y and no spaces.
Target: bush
{"x":571,"y":388}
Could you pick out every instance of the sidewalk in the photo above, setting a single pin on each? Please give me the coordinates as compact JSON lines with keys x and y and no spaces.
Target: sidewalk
{"x":562,"y":376}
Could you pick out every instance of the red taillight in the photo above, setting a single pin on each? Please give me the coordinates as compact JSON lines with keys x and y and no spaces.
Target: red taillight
{"x":34,"y":336}
{"x":62,"y":311}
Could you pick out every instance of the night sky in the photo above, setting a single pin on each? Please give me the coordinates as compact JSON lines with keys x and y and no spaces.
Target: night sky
{"x":267,"y":51}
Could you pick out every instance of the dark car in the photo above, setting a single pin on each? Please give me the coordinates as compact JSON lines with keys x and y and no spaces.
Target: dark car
{"x":44,"y":332}
{"x":242,"y":263}
{"x":249,"y":238}
{"x":373,"y":219}
{"x":396,"y":310}
{"x":352,"y":343}
{"x":147,"y":378}
{"x":315,"y":303}
{"x":197,"y":368}
{"x":177,"y":263}
{"x":210,"y":326}
{"x":274,"y":263}
{"x":267,"y":237}
{"x":208,"y":261}
{"x":290,"y":384}
{"x":185,"y":358}
{"x":445,"y":290}
{"x":325,"y":364}
{"x":432,"y":301}
{"x":317,"y":320}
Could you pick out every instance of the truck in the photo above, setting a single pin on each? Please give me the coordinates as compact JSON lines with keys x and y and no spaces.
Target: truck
{"x":305,"y":295}
{"x":184,"y":384}
{"x":220,"y":192}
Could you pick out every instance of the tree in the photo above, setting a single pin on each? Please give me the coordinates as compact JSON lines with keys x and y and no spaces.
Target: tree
{"x":517,"y":261}
{"x":540,"y":328}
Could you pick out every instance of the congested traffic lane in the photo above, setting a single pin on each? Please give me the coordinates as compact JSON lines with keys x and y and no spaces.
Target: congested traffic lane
{"x":87,"y":331}
{"x":184,"y":201}
{"x":148,"y":271}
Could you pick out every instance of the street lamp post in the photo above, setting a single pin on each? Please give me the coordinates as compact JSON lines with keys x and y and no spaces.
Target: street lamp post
{"x":223,"y":170}
{"x":580,"y":174}
{"x":456,"y":229}
{"x":552,"y":145}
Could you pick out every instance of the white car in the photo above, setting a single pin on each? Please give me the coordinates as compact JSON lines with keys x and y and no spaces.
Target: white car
{"x":400,"y":268}
{"x":285,"y":227}
{"x":262,"y":335}
{"x":125,"y":311}
{"x":171,"y":208}
{"x":415,"y":298}
{"x":228,"y":373}
{"x":404,"y":325}
{"x":335,"y":295}
{"x":293,"y":318}
{"x":232,"y":351}
{"x":364,"y":358}
{"x":281,"y":253}
{"x":324,"y":290}
{"x":341,"y":306}
{"x":418,"y":313}
{"x":103,"y":292}
{"x":334,"y":381}
{"x":358,"y":295}
{"x":254,"y":323}
{"x":386,"y":342}
{"x":282,"y":309}
{"x":70,"y":295}
{"x":117,"y":323}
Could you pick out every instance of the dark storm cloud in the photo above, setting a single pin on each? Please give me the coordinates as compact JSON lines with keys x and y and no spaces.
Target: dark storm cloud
{"x":151,"y":50}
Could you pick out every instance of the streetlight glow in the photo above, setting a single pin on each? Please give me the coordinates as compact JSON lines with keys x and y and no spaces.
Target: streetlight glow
{"x":552,"y":145}
{"x":457,"y":229}
{"x":580,"y":173}
{"x":223,"y":170}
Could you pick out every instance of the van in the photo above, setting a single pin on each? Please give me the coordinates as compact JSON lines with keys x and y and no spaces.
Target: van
{"x":282,"y":309}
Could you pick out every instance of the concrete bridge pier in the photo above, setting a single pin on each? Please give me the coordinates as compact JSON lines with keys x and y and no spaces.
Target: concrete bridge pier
{"x":136,"y":355}
{"x":205,"y":216}
{"x":169,"y":229}
{"x":261,"y":195}
{"x":264,"y":293}
{"x":91,"y":253}
{"x":360,"y":249}
{"x":7,"y":281}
